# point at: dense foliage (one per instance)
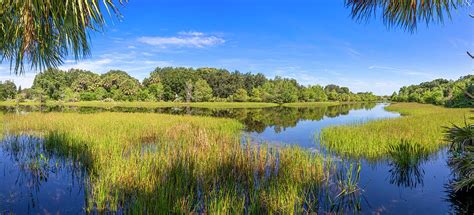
(440, 92)
(181, 84)
(7, 90)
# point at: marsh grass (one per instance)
(151, 163)
(341, 193)
(421, 128)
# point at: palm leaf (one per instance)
(42, 33)
(404, 13)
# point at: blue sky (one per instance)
(315, 42)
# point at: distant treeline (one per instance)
(459, 93)
(180, 84)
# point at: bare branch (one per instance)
(470, 55)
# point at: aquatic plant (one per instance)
(341, 193)
(421, 125)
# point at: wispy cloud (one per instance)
(352, 52)
(183, 39)
(401, 71)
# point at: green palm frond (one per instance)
(405, 13)
(42, 33)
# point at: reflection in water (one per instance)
(405, 162)
(36, 180)
(254, 119)
(462, 202)
(341, 193)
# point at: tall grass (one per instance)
(152, 163)
(421, 127)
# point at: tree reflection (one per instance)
(254, 119)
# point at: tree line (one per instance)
(458, 93)
(182, 85)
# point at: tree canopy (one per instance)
(439, 92)
(181, 84)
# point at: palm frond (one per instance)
(404, 13)
(42, 33)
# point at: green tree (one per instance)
(68, 95)
(240, 95)
(87, 96)
(51, 82)
(101, 93)
(156, 90)
(145, 95)
(202, 91)
(256, 95)
(82, 80)
(120, 85)
(7, 90)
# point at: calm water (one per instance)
(36, 180)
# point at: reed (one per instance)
(153, 163)
(420, 128)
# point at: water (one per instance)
(35, 180)
(387, 186)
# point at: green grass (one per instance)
(176, 164)
(421, 125)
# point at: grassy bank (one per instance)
(420, 129)
(178, 164)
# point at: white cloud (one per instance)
(191, 33)
(184, 39)
(25, 80)
(98, 65)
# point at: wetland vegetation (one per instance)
(148, 162)
(212, 141)
(190, 159)
(421, 128)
